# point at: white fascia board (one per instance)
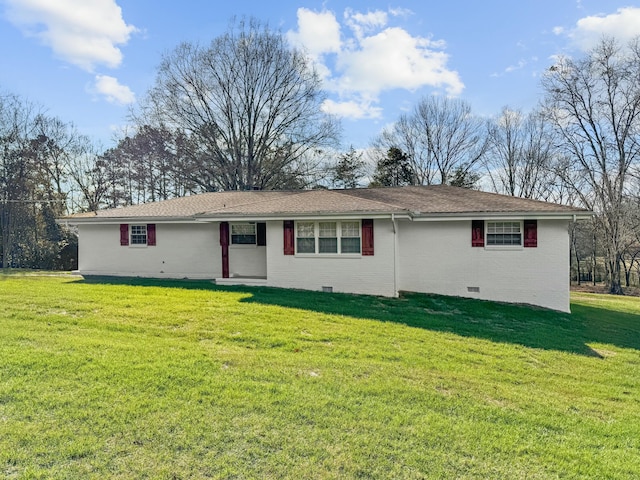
(119, 220)
(417, 217)
(306, 216)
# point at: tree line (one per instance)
(245, 112)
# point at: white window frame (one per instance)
(136, 231)
(339, 237)
(520, 232)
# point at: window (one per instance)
(138, 234)
(305, 237)
(504, 233)
(243, 233)
(328, 237)
(350, 237)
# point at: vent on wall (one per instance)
(473, 289)
(327, 289)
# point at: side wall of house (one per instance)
(181, 251)
(372, 275)
(437, 257)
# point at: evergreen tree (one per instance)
(393, 170)
(349, 169)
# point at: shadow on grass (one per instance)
(516, 324)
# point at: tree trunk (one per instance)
(627, 272)
(615, 285)
(594, 260)
(575, 252)
(5, 226)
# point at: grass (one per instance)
(153, 379)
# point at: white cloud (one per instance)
(352, 109)
(80, 32)
(624, 25)
(518, 66)
(361, 23)
(318, 33)
(400, 12)
(369, 57)
(395, 59)
(113, 91)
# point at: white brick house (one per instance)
(434, 239)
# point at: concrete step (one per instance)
(250, 281)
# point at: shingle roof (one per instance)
(443, 199)
(187, 206)
(434, 200)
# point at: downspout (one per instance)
(395, 256)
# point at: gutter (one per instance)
(298, 216)
(254, 217)
(443, 217)
(118, 220)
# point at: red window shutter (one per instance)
(224, 233)
(224, 243)
(367, 236)
(289, 237)
(151, 235)
(124, 234)
(531, 233)
(477, 233)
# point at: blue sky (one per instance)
(89, 61)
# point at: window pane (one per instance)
(350, 245)
(243, 239)
(306, 245)
(327, 229)
(503, 227)
(504, 233)
(243, 233)
(350, 229)
(138, 234)
(503, 239)
(328, 245)
(328, 237)
(305, 229)
(243, 229)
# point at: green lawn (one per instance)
(184, 380)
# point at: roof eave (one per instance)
(415, 216)
(526, 215)
(253, 217)
(114, 220)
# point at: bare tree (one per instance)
(405, 136)
(594, 105)
(442, 139)
(521, 149)
(34, 150)
(16, 129)
(249, 103)
(631, 242)
(90, 172)
(454, 136)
